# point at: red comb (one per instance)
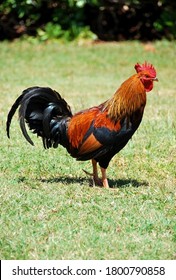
(145, 66)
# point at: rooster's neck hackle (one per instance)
(130, 97)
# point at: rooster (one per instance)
(97, 133)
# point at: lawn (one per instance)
(48, 210)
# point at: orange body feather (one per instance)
(81, 122)
(79, 125)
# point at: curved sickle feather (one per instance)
(24, 131)
(11, 113)
(22, 122)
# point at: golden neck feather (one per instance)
(130, 97)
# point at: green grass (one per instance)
(48, 210)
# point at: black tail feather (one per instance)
(11, 113)
(47, 116)
(44, 110)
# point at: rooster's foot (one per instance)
(97, 182)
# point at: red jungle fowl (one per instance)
(97, 133)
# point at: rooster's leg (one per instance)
(104, 178)
(96, 180)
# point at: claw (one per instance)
(95, 181)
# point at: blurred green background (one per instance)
(104, 19)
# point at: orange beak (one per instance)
(155, 79)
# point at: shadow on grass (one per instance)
(119, 183)
(125, 183)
